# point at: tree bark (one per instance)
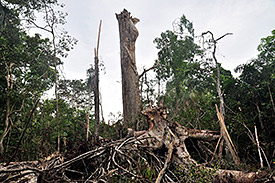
(130, 86)
(8, 125)
(96, 98)
(260, 116)
(271, 98)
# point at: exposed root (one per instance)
(147, 156)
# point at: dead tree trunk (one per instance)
(221, 112)
(96, 88)
(130, 86)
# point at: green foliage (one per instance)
(11, 9)
(108, 131)
(267, 48)
(27, 72)
(147, 171)
(195, 173)
(190, 91)
(256, 96)
(40, 139)
(176, 52)
(75, 92)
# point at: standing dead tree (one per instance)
(96, 88)
(130, 78)
(221, 112)
(217, 81)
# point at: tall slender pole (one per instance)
(96, 89)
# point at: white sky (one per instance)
(248, 20)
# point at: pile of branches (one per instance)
(157, 155)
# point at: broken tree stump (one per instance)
(130, 79)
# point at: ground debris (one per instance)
(154, 155)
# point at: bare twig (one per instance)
(258, 146)
(90, 154)
(216, 148)
(251, 136)
(17, 176)
(26, 168)
(113, 158)
(146, 70)
(161, 173)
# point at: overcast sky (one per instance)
(248, 20)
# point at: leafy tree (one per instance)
(177, 53)
(61, 42)
(255, 94)
(74, 92)
(38, 142)
(267, 54)
(78, 94)
(11, 9)
(26, 73)
(188, 82)
(195, 81)
(28, 63)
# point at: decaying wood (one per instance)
(227, 138)
(128, 158)
(130, 78)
